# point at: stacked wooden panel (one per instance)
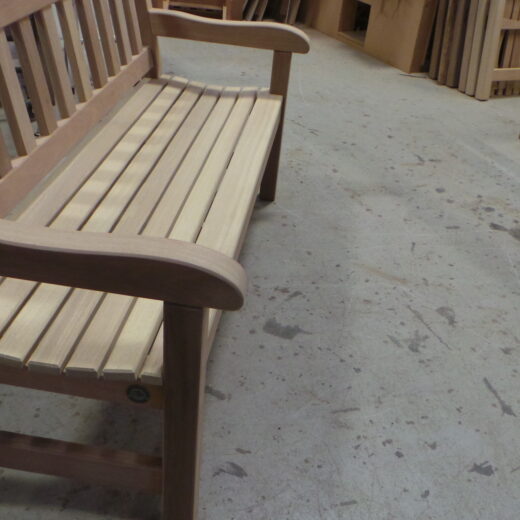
(476, 47)
(281, 10)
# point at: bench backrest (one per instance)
(74, 60)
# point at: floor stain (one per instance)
(417, 342)
(382, 274)
(506, 409)
(420, 317)
(348, 503)
(485, 469)
(395, 341)
(346, 410)
(230, 468)
(221, 396)
(282, 331)
(449, 314)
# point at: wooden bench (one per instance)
(117, 270)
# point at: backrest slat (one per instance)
(13, 101)
(106, 32)
(121, 29)
(134, 30)
(5, 160)
(55, 60)
(98, 68)
(34, 75)
(74, 49)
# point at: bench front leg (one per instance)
(184, 376)
(279, 86)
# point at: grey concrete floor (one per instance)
(373, 374)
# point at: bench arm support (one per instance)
(161, 269)
(259, 35)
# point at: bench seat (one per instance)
(177, 159)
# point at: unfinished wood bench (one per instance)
(116, 272)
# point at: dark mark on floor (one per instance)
(507, 350)
(449, 314)
(348, 503)
(395, 341)
(232, 469)
(387, 442)
(243, 452)
(221, 396)
(419, 316)
(399, 454)
(295, 294)
(413, 247)
(426, 494)
(417, 342)
(485, 469)
(514, 232)
(282, 331)
(432, 445)
(346, 410)
(497, 227)
(514, 470)
(506, 409)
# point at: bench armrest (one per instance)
(260, 35)
(161, 269)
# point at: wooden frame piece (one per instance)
(96, 465)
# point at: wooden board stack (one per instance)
(476, 47)
(281, 10)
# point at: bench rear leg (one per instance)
(185, 333)
(279, 86)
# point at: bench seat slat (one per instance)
(140, 329)
(28, 326)
(130, 352)
(47, 356)
(225, 224)
(90, 355)
(132, 221)
(186, 169)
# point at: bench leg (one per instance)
(279, 86)
(185, 332)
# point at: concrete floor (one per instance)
(373, 374)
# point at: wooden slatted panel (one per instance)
(31, 320)
(512, 88)
(134, 31)
(476, 49)
(74, 49)
(121, 30)
(89, 356)
(468, 44)
(54, 348)
(506, 43)
(87, 20)
(128, 355)
(106, 32)
(226, 121)
(225, 225)
(5, 159)
(13, 102)
(34, 75)
(55, 61)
